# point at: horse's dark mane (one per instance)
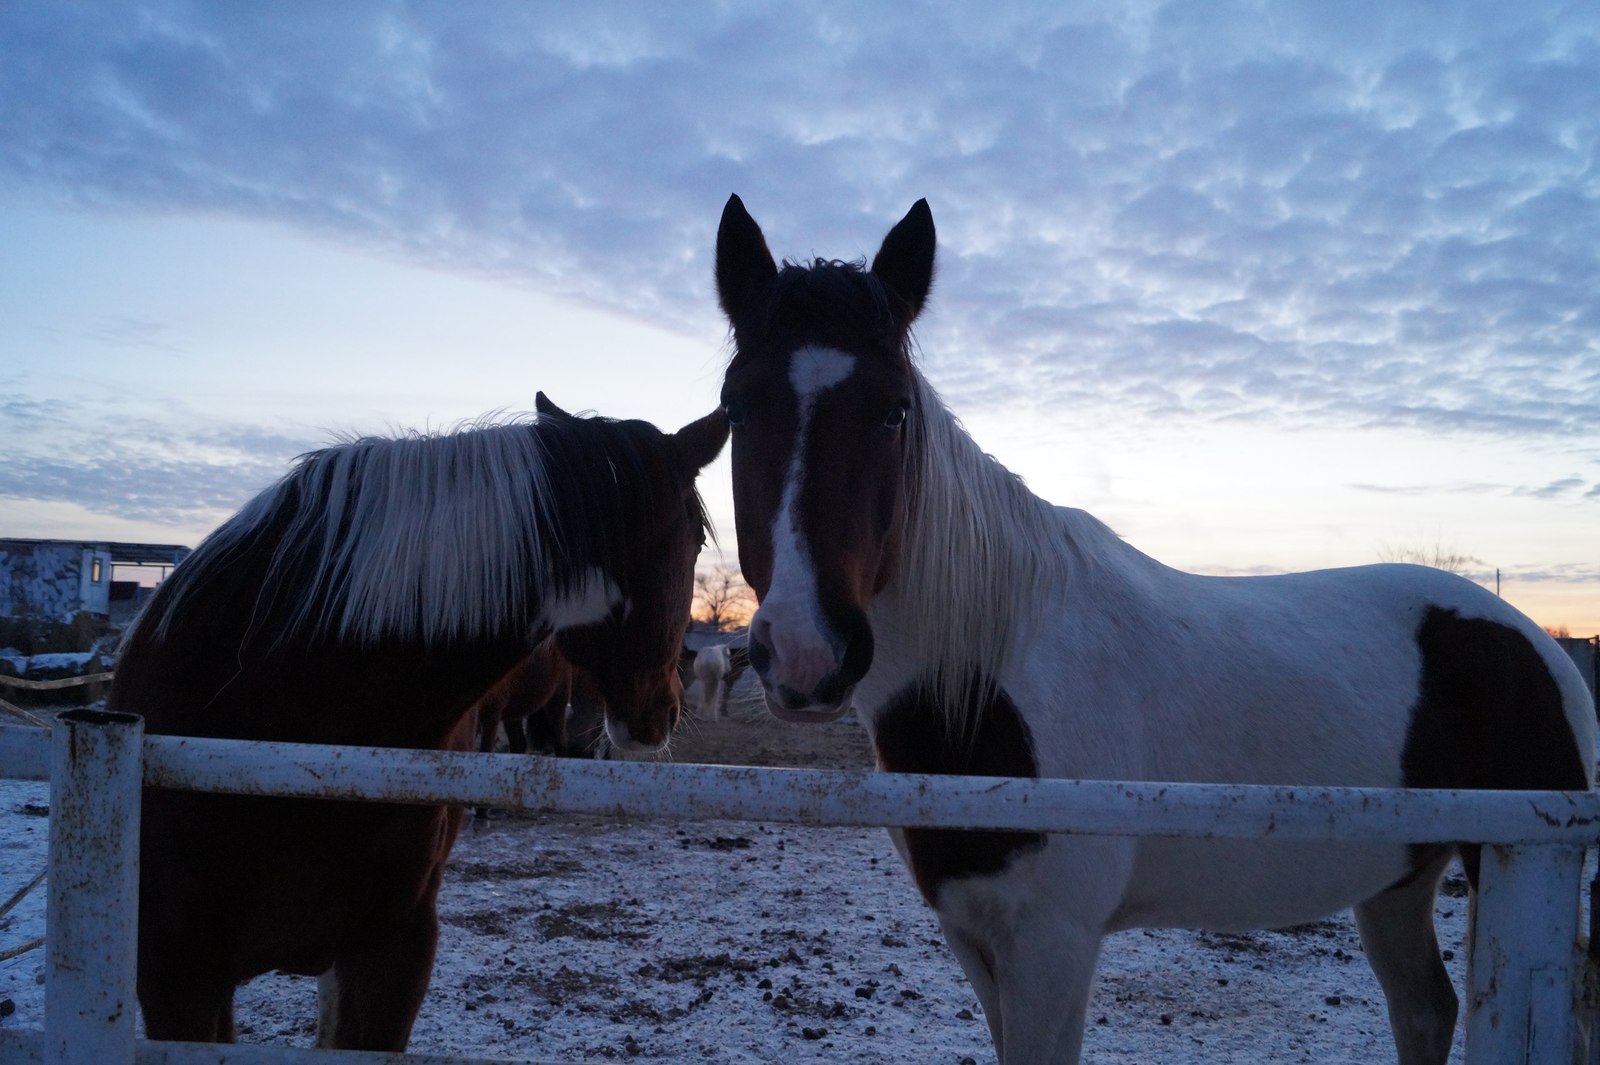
(433, 537)
(826, 301)
(597, 466)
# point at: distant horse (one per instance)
(686, 657)
(544, 705)
(371, 597)
(979, 630)
(716, 669)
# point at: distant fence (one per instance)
(1585, 652)
(60, 684)
(1522, 972)
(52, 685)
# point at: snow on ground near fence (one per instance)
(591, 940)
(23, 664)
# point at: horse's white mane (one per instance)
(425, 536)
(979, 553)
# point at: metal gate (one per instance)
(1523, 970)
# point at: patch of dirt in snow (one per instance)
(586, 939)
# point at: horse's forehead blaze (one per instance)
(814, 369)
(803, 524)
(850, 505)
(809, 470)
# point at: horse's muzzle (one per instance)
(649, 722)
(786, 705)
(825, 698)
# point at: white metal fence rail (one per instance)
(1523, 969)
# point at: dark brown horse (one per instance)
(371, 597)
(545, 705)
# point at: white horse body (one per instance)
(710, 669)
(1162, 675)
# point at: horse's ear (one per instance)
(905, 262)
(542, 404)
(697, 443)
(743, 262)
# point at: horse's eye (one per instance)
(734, 412)
(897, 417)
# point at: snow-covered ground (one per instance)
(588, 940)
(69, 660)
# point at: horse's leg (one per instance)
(545, 726)
(377, 987)
(380, 987)
(978, 964)
(186, 1007)
(381, 979)
(714, 697)
(1397, 933)
(183, 980)
(724, 692)
(488, 730)
(1032, 974)
(1044, 975)
(328, 1007)
(517, 741)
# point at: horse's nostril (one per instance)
(790, 699)
(760, 655)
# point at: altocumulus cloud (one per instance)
(1362, 214)
(150, 470)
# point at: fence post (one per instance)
(92, 908)
(1520, 975)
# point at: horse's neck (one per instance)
(982, 559)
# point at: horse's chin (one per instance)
(814, 714)
(621, 738)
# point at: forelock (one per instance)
(827, 302)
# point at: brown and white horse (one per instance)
(372, 597)
(977, 629)
(544, 705)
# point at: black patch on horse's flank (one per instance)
(1488, 715)
(914, 735)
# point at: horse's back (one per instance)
(1489, 698)
(1379, 676)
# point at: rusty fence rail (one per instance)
(1522, 973)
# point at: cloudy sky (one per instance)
(1265, 286)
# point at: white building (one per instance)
(59, 578)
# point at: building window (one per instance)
(94, 572)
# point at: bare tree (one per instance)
(722, 600)
(1438, 556)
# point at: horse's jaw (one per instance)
(808, 713)
(621, 737)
